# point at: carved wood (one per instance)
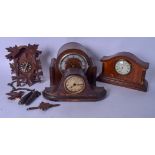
(28, 58)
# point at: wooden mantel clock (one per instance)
(73, 76)
(26, 65)
(124, 69)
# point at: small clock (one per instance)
(25, 66)
(73, 76)
(124, 69)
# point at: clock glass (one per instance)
(123, 67)
(74, 84)
(73, 61)
(25, 67)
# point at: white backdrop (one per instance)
(120, 102)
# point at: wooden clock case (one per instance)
(134, 80)
(25, 54)
(66, 49)
(56, 91)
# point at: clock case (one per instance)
(57, 92)
(134, 80)
(21, 54)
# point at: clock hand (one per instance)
(25, 67)
(74, 85)
(79, 84)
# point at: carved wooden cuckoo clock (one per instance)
(26, 65)
(124, 69)
(73, 76)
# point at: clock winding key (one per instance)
(44, 106)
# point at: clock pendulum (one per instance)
(43, 106)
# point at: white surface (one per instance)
(120, 102)
(110, 18)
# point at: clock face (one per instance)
(74, 84)
(73, 61)
(123, 67)
(25, 67)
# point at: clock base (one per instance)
(97, 94)
(141, 87)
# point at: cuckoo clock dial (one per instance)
(25, 64)
(73, 76)
(25, 67)
(124, 69)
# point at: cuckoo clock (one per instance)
(124, 69)
(25, 66)
(73, 76)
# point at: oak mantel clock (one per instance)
(73, 76)
(124, 69)
(26, 65)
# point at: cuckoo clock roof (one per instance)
(15, 51)
(129, 55)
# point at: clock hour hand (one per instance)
(26, 65)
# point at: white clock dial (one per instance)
(74, 84)
(123, 67)
(82, 60)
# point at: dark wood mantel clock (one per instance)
(124, 69)
(26, 65)
(73, 76)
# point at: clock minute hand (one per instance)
(80, 84)
(76, 85)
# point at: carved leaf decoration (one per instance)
(12, 66)
(13, 52)
(40, 73)
(31, 53)
(33, 47)
(15, 95)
